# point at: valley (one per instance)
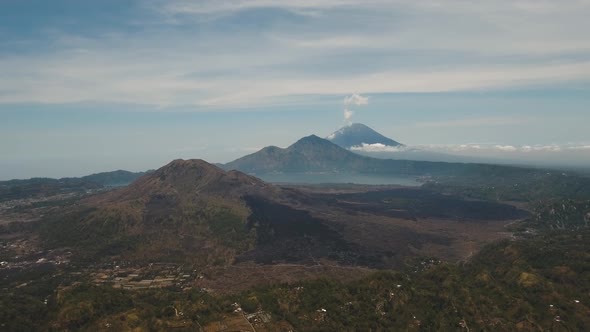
(193, 228)
(197, 246)
(374, 227)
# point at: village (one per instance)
(21, 252)
(27, 202)
(153, 275)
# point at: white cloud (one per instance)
(504, 26)
(537, 154)
(202, 7)
(378, 147)
(501, 148)
(579, 148)
(356, 99)
(115, 77)
(553, 147)
(507, 148)
(473, 148)
(534, 148)
(494, 45)
(521, 6)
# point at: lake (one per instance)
(317, 178)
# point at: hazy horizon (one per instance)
(88, 87)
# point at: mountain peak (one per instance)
(358, 134)
(309, 139)
(312, 143)
(187, 178)
(189, 164)
(181, 169)
(359, 126)
(308, 154)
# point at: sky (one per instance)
(89, 86)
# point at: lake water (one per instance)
(311, 178)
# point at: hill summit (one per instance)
(358, 134)
(188, 179)
(187, 210)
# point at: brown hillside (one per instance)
(186, 210)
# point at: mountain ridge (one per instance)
(186, 177)
(38, 187)
(194, 212)
(312, 154)
(308, 154)
(187, 209)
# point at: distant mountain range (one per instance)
(313, 154)
(19, 189)
(113, 178)
(316, 160)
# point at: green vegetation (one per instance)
(507, 286)
(103, 232)
(516, 186)
(560, 215)
(539, 283)
(85, 303)
(21, 312)
(230, 229)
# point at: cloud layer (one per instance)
(243, 53)
(475, 148)
(567, 155)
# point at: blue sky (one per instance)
(89, 86)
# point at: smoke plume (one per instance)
(354, 99)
